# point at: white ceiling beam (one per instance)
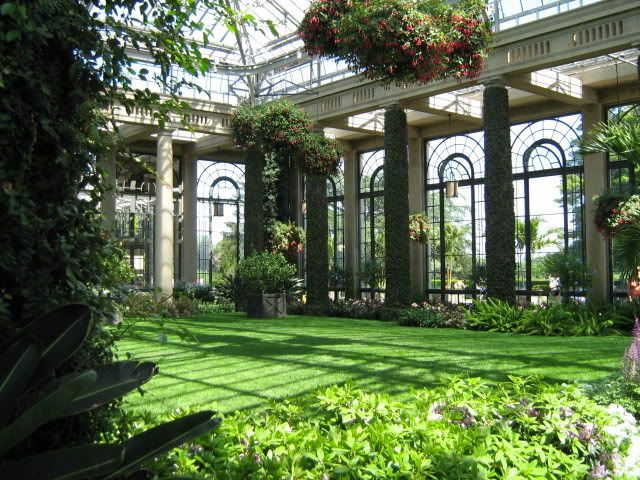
(132, 133)
(344, 124)
(211, 143)
(555, 86)
(448, 105)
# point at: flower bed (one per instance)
(464, 429)
(400, 41)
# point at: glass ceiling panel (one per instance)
(282, 66)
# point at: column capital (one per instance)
(165, 132)
(497, 81)
(389, 106)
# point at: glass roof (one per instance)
(279, 63)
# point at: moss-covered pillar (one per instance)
(396, 206)
(253, 202)
(351, 166)
(498, 194)
(417, 203)
(317, 241)
(163, 253)
(595, 183)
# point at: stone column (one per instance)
(351, 212)
(396, 207)
(417, 203)
(498, 194)
(595, 183)
(189, 256)
(108, 204)
(163, 268)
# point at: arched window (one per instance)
(335, 200)
(549, 198)
(220, 219)
(372, 242)
(454, 198)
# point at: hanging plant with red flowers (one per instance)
(400, 41)
(286, 130)
(288, 238)
(419, 227)
(614, 212)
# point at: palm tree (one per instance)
(538, 240)
(620, 139)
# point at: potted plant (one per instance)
(265, 277)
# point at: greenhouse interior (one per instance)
(327, 239)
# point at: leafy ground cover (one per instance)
(242, 363)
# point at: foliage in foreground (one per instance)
(32, 395)
(466, 429)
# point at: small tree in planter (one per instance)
(266, 277)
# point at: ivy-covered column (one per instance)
(253, 202)
(498, 194)
(317, 241)
(396, 206)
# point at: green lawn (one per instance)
(240, 363)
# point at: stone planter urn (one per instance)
(267, 305)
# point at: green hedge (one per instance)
(317, 241)
(498, 196)
(396, 207)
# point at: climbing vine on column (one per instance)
(498, 195)
(287, 137)
(396, 206)
(317, 241)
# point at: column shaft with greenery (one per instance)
(498, 195)
(253, 202)
(396, 206)
(317, 241)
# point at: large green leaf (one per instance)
(50, 407)
(114, 380)
(61, 332)
(67, 464)
(164, 437)
(17, 365)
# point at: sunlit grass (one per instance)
(241, 363)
